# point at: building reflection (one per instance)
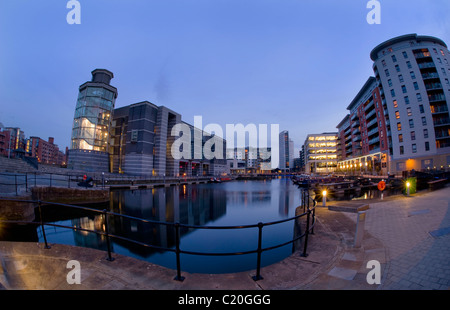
(186, 204)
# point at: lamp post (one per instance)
(408, 185)
(324, 198)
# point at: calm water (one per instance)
(225, 204)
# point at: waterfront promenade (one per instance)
(409, 236)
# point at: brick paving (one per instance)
(415, 258)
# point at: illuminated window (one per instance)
(397, 114)
(395, 104)
(399, 126)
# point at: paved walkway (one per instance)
(409, 236)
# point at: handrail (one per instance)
(308, 212)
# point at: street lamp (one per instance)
(324, 198)
(408, 185)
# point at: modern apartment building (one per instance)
(89, 150)
(363, 136)
(413, 75)
(400, 119)
(320, 152)
(46, 152)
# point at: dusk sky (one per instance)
(296, 63)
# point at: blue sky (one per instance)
(296, 63)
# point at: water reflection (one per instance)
(226, 204)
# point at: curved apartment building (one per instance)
(402, 114)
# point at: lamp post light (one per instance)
(408, 185)
(324, 198)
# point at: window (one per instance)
(408, 63)
(427, 146)
(447, 82)
(392, 93)
(404, 89)
(406, 100)
(397, 114)
(424, 121)
(425, 133)
(443, 71)
(405, 55)
(414, 148)
(413, 135)
(400, 78)
(442, 53)
(419, 97)
(387, 72)
(399, 126)
(390, 82)
(395, 104)
(408, 110)
(421, 109)
(394, 59)
(400, 138)
(439, 60)
(397, 67)
(402, 150)
(416, 86)
(384, 63)
(413, 75)
(411, 123)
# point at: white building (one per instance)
(413, 75)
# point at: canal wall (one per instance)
(70, 195)
(17, 210)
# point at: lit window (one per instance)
(395, 104)
(399, 126)
(397, 114)
(400, 138)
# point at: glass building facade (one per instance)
(93, 113)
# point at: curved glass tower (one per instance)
(92, 122)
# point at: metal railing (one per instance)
(308, 204)
(17, 182)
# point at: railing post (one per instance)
(108, 244)
(258, 259)
(177, 247)
(305, 245)
(42, 225)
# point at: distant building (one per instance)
(46, 152)
(321, 153)
(286, 149)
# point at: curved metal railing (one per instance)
(308, 203)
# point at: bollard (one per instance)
(324, 198)
(408, 185)
(360, 223)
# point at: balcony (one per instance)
(374, 140)
(436, 98)
(370, 114)
(429, 76)
(433, 86)
(371, 123)
(426, 65)
(372, 132)
(439, 109)
(441, 122)
(421, 54)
